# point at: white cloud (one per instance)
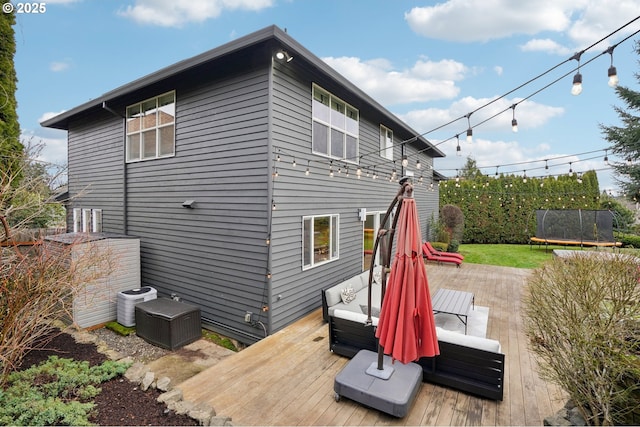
(58, 66)
(48, 115)
(176, 13)
(487, 20)
(545, 45)
(529, 114)
(582, 21)
(54, 142)
(498, 70)
(425, 81)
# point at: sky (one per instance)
(430, 63)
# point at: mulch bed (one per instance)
(120, 402)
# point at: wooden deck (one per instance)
(287, 378)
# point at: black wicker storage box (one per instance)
(167, 323)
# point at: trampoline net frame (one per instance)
(575, 225)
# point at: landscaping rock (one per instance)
(136, 372)
(147, 380)
(174, 395)
(202, 413)
(220, 421)
(163, 384)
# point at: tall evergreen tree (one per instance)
(625, 139)
(10, 147)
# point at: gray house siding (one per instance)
(96, 168)
(237, 109)
(295, 291)
(213, 255)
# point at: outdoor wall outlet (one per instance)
(247, 316)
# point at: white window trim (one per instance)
(331, 243)
(87, 220)
(157, 127)
(330, 126)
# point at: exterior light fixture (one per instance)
(281, 55)
(469, 130)
(576, 89)
(514, 122)
(458, 150)
(612, 72)
(405, 161)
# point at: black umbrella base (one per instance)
(393, 396)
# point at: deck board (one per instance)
(287, 378)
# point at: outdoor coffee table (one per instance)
(453, 302)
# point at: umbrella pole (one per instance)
(386, 248)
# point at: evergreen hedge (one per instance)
(502, 209)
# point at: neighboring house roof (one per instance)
(437, 176)
(271, 33)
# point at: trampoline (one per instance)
(574, 227)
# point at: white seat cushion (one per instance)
(468, 340)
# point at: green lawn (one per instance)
(521, 256)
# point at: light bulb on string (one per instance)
(405, 161)
(514, 122)
(307, 172)
(612, 73)
(458, 149)
(576, 89)
(418, 164)
(469, 130)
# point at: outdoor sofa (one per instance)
(471, 364)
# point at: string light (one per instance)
(331, 169)
(307, 172)
(606, 158)
(458, 149)
(576, 89)
(612, 73)
(294, 164)
(418, 164)
(405, 161)
(514, 122)
(469, 130)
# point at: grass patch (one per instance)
(217, 339)
(119, 329)
(520, 256)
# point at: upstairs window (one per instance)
(151, 128)
(386, 142)
(335, 127)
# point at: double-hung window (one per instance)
(319, 239)
(335, 127)
(386, 142)
(151, 128)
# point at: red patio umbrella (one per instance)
(406, 326)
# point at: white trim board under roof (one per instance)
(265, 35)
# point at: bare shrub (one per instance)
(582, 316)
(37, 283)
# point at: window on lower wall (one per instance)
(151, 128)
(87, 220)
(320, 238)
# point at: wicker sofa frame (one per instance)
(459, 366)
